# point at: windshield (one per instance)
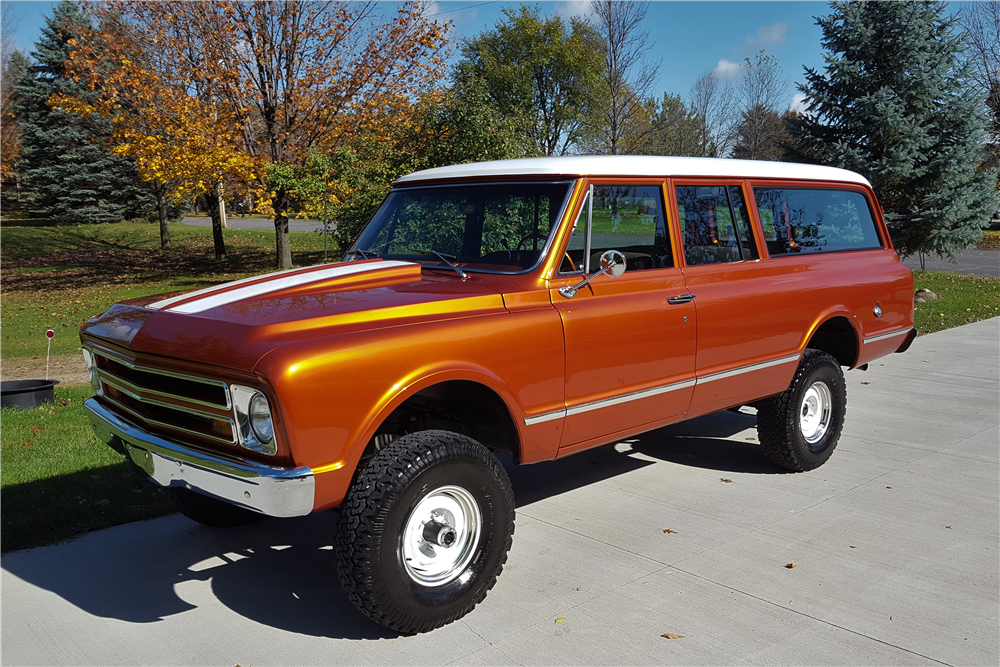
(501, 227)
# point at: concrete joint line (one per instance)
(594, 539)
(818, 620)
(788, 516)
(487, 642)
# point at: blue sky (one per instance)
(691, 38)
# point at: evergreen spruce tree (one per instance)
(892, 106)
(68, 178)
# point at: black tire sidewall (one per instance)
(432, 602)
(817, 453)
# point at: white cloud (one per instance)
(768, 35)
(430, 8)
(570, 8)
(799, 103)
(727, 69)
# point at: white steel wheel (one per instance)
(799, 428)
(814, 412)
(425, 530)
(441, 535)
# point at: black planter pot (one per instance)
(25, 394)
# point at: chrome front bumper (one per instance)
(280, 492)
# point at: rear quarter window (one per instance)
(810, 220)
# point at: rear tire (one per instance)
(425, 530)
(799, 428)
(209, 511)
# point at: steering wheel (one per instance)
(528, 238)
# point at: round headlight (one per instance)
(260, 418)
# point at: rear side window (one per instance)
(804, 220)
(715, 224)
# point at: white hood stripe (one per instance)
(165, 303)
(214, 298)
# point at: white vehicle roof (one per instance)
(636, 165)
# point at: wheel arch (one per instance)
(467, 401)
(837, 334)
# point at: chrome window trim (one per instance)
(655, 391)
(891, 334)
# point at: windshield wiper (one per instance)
(365, 254)
(443, 257)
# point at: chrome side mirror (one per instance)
(612, 264)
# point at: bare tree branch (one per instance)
(616, 125)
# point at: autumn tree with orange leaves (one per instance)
(287, 78)
(178, 139)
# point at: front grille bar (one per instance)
(166, 400)
(177, 376)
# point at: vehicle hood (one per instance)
(234, 324)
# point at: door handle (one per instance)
(684, 298)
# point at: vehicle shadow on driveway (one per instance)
(282, 573)
(706, 442)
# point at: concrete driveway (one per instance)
(895, 539)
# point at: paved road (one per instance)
(896, 541)
(982, 262)
(236, 222)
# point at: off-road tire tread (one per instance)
(776, 418)
(375, 486)
(211, 511)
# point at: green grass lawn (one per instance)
(58, 481)
(963, 299)
(59, 277)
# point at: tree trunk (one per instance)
(283, 248)
(222, 209)
(161, 208)
(213, 209)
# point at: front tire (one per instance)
(425, 530)
(799, 428)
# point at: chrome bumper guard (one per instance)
(280, 492)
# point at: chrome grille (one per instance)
(165, 401)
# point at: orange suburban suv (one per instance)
(536, 307)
